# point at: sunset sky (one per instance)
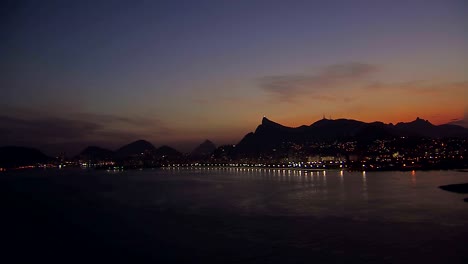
(75, 73)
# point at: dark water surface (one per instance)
(232, 216)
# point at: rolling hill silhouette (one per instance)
(13, 156)
(271, 134)
(135, 148)
(204, 149)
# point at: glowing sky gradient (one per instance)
(178, 72)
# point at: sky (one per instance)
(78, 73)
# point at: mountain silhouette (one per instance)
(421, 127)
(135, 148)
(167, 152)
(96, 153)
(269, 137)
(205, 149)
(269, 134)
(335, 129)
(13, 156)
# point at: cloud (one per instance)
(288, 88)
(61, 132)
(130, 122)
(420, 87)
(461, 121)
(45, 128)
(223, 100)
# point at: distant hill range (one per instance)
(136, 148)
(203, 150)
(96, 153)
(270, 134)
(166, 152)
(144, 148)
(13, 156)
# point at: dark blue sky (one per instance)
(178, 72)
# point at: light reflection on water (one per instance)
(388, 196)
(364, 186)
(410, 196)
(368, 217)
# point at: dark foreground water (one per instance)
(231, 216)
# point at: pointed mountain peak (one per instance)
(265, 120)
(268, 125)
(420, 120)
(268, 122)
(207, 142)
